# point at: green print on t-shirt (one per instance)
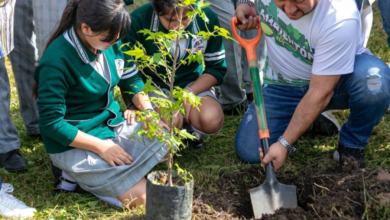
(285, 35)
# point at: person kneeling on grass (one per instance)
(81, 124)
(313, 67)
(161, 16)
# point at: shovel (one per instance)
(271, 195)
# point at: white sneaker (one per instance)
(6, 187)
(11, 206)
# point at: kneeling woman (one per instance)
(81, 124)
(161, 15)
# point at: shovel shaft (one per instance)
(258, 99)
(250, 47)
(270, 177)
(271, 195)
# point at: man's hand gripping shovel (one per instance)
(271, 195)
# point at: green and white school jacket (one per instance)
(75, 91)
(144, 17)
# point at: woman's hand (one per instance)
(114, 154)
(150, 119)
(129, 114)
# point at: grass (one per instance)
(35, 186)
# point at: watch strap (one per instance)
(245, 2)
(290, 148)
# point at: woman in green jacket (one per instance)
(161, 16)
(81, 124)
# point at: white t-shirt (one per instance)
(323, 42)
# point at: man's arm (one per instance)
(316, 99)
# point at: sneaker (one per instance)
(12, 207)
(6, 187)
(62, 183)
(342, 153)
(13, 162)
(198, 142)
(238, 109)
(326, 124)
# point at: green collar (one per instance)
(85, 55)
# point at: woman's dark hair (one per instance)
(164, 7)
(99, 15)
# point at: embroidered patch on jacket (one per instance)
(119, 64)
(199, 44)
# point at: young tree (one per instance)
(173, 103)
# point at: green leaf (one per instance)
(136, 52)
(202, 4)
(189, 2)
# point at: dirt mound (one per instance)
(347, 193)
(202, 211)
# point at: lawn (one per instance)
(219, 173)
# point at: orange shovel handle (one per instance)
(248, 44)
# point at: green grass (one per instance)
(35, 186)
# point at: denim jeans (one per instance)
(384, 8)
(365, 92)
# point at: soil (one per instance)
(339, 193)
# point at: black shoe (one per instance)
(59, 179)
(13, 162)
(342, 154)
(326, 124)
(249, 97)
(237, 110)
(198, 142)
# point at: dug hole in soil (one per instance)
(332, 194)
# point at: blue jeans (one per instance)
(365, 92)
(384, 8)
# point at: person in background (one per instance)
(384, 8)
(10, 207)
(22, 59)
(365, 7)
(234, 99)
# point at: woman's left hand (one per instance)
(160, 123)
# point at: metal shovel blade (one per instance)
(271, 196)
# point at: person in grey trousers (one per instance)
(47, 15)
(232, 96)
(29, 40)
(22, 59)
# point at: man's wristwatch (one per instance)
(245, 2)
(290, 149)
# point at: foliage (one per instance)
(35, 186)
(170, 104)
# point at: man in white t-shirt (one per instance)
(316, 62)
